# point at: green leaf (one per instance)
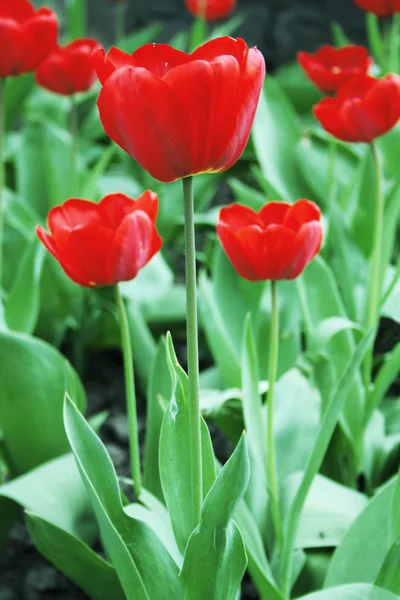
(357, 591)
(144, 566)
(158, 394)
(298, 88)
(30, 168)
(23, 302)
(389, 575)
(76, 18)
(387, 374)
(174, 453)
(33, 379)
(327, 329)
(53, 491)
(247, 195)
(258, 564)
(215, 557)
(276, 133)
(86, 569)
(326, 430)
(360, 556)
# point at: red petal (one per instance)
(40, 38)
(105, 65)
(277, 252)
(383, 102)
(301, 212)
(148, 203)
(73, 213)
(48, 242)
(135, 243)
(158, 59)
(306, 246)
(327, 112)
(158, 132)
(274, 213)
(237, 216)
(87, 253)
(236, 253)
(11, 48)
(18, 10)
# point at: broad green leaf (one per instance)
(58, 157)
(33, 379)
(320, 300)
(86, 569)
(276, 133)
(357, 559)
(144, 566)
(18, 89)
(298, 88)
(327, 329)
(55, 492)
(30, 168)
(215, 557)
(174, 453)
(389, 575)
(159, 392)
(326, 430)
(363, 201)
(356, 591)
(244, 194)
(143, 344)
(258, 564)
(22, 307)
(328, 512)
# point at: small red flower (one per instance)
(69, 69)
(212, 10)
(278, 242)
(102, 244)
(330, 67)
(364, 109)
(181, 114)
(381, 8)
(27, 36)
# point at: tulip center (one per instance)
(336, 70)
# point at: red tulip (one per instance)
(330, 67)
(382, 8)
(211, 10)
(181, 114)
(364, 109)
(26, 36)
(278, 242)
(69, 69)
(102, 244)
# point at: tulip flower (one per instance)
(181, 114)
(102, 244)
(27, 36)
(364, 109)
(211, 10)
(330, 67)
(381, 8)
(69, 69)
(278, 242)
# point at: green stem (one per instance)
(273, 487)
(394, 44)
(2, 171)
(74, 130)
(130, 395)
(374, 295)
(120, 14)
(193, 351)
(375, 38)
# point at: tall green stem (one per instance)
(130, 395)
(193, 351)
(394, 44)
(375, 38)
(2, 170)
(74, 130)
(272, 374)
(374, 294)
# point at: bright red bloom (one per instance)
(364, 109)
(181, 114)
(330, 67)
(381, 8)
(26, 36)
(69, 69)
(102, 244)
(278, 242)
(212, 10)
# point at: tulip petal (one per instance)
(19, 11)
(135, 243)
(49, 244)
(277, 252)
(11, 48)
(237, 216)
(236, 253)
(133, 98)
(306, 246)
(73, 213)
(87, 253)
(301, 212)
(40, 38)
(105, 65)
(148, 203)
(159, 59)
(327, 112)
(274, 213)
(112, 210)
(383, 102)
